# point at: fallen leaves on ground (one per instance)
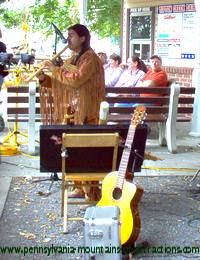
(46, 240)
(41, 193)
(27, 235)
(51, 216)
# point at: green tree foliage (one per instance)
(103, 16)
(50, 11)
(41, 15)
(11, 18)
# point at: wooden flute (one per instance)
(42, 67)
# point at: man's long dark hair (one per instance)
(81, 30)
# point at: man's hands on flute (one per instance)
(47, 64)
(41, 76)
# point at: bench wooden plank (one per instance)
(22, 119)
(184, 90)
(137, 99)
(152, 90)
(123, 118)
(20, 110)
(20, 99)
(130, 110)
(185, 110)
(138, 90)
(20, 89)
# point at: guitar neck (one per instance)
(125, 156)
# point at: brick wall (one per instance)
(181, 75)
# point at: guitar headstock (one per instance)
(139, 115)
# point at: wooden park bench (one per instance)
(174, 104)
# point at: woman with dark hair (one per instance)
(130, 77)
(79, 82)
(136, 70)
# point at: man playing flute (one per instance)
(79, 82)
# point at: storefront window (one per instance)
(140, 33)
(145, 55)
(140, 27)
(141, 50)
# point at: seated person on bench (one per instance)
(136, 70)
(113, 71)
(155, 77)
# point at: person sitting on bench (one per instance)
(155, 77)
(136, 70)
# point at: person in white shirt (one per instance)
(113, 71)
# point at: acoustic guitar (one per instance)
(117, 191)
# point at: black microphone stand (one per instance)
(55, 43)
(58, 61)
(58, 32)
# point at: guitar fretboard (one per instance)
(125, 157)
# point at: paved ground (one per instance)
(169, 209)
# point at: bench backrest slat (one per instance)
(137, 99)
(186, 100)
(138, 90)
(130, 110)
(20, 99)
(21, 110)
(20, 89)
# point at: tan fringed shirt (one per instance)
(84, 89)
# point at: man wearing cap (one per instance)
(79, 82)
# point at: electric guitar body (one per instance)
(117, 191)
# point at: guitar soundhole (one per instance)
(117, 193)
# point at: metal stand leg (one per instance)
(52, 178)
(196, 174)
